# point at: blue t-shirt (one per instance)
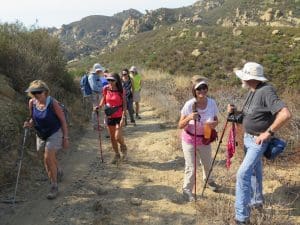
(104, 81)
(95, 83)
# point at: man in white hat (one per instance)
(96, 86)
(263, 114)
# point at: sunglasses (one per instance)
(110, 80)
(202, 87)
(124, 74)
(36, 92)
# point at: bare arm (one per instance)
(61, 116)
(281, 118)
(184, 120)
(30, 122)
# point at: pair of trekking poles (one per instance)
(195, 155)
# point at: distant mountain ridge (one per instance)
(94, 34)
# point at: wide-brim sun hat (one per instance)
(97, 67)
(251, 71)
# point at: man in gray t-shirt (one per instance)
(264, 114)
(260, 108)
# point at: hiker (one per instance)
(95, 81)
(263, 114)
(207, 111)
(49, 121)
(127, 85)
(137, 87)
(114, 103)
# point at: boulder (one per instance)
(267, 15)
(275, 32)
(236, 32)
(196, 52)
(203, 35)
(296, 39)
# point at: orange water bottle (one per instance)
(207, 129)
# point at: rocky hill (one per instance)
(92, 34)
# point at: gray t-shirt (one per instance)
(260, 108)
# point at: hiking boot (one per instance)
(115, 159)
(53, 192)
(133, 122)
(123, 149)
(188, 196)
(247, 222)
(137, 116)
(212, 186)
(60, 175)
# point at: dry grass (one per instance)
(281, 183)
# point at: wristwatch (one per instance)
(270, 132)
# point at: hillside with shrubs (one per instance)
(212, 52)
(26, 54)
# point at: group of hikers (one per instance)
(263, 114)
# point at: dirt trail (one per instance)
(144, 190)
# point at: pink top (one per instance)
(206, 114)
(114, 98)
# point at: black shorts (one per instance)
(113, 121)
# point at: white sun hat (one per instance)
(251, 71)
(97, 67)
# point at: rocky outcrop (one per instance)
(93, 34)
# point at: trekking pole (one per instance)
(26, 130)
(195, 150)
(99, 132)
(212, 164)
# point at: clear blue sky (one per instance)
(51, 13)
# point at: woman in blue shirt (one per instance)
(49, 121)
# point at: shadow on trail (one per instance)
(143, 129)
(177, 163)
(287, 195)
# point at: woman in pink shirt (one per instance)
(114, 103)
(205, 112)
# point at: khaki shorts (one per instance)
(53, 143)
(137, 96)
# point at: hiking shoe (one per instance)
(212, 186)
(247, 222)
(138, 117)
(60, 175)
(188, 196)
(53, 192)
(115, 159)
(123, 149)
